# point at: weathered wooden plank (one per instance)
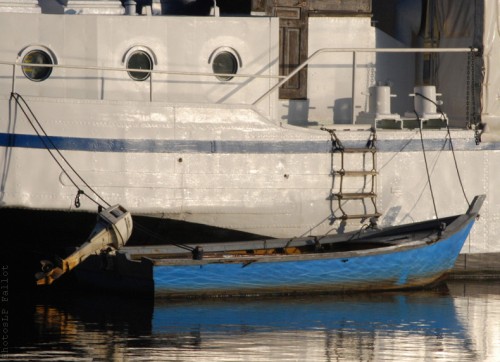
(344, 6)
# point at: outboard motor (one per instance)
(113, 229)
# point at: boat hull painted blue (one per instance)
(411, 267)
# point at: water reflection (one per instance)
(461, 322)
(360, 327)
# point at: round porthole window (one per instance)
(139, 60)
(37, 74)
(225, 63)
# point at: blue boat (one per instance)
(393, 258)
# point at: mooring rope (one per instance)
(456, 166)
(426, 165)
(161, 238)
(45, 140)
(49, 145)
(451, 144)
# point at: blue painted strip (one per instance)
(396, 269)
(162, 146)
(236, 147)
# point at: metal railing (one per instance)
(282, 79)
(150, 71)
(354, 52)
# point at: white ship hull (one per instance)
(230, 154)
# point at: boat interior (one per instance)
(365, 239)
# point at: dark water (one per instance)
(458, 322)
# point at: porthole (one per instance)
(225, 63)
(139, 60)
(34, 73)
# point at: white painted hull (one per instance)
(201, 151)
(267, 192)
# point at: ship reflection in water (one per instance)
(458, 322)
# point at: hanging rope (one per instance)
(158, 237)
(474, 111)
(451, 145)
(472, 71)
(456, 166)
(468, 90)
(426, 164)
(470, 103)
(49, 145)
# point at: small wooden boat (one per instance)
(399, 257)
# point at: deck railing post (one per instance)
(13, 78)
(353, 88)
(151, 86)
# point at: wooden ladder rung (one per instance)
(356, 173)
(353, 195)
(358, 150)
(360, 216)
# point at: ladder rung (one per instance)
(358, 150)
(354, 195)
(360, 216)
(356, 173)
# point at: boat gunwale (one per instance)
(279, 258)
(456, 223)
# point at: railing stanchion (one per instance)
(150, 86)
(13, 77)
(353, 88)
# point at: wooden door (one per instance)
(293, 16)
